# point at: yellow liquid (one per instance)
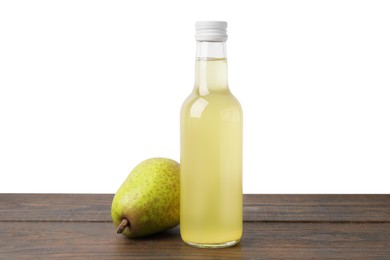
(211, 161)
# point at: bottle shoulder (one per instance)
(221, 99)
(213, 103)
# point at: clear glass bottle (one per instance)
(211, 148)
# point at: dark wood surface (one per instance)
(75, 226)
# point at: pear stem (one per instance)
(122, 226)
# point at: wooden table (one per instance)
(74, 226)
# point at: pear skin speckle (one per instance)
(149, 198)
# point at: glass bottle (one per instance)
(211, 148)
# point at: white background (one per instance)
(88, 89)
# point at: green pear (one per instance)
(148, 201)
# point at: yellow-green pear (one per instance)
(148, 201)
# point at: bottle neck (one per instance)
(210, 68)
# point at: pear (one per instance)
(148, 201)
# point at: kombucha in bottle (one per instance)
(211, 148)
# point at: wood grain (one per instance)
(96, 207)
(55, 207)
(329, 208)
(78, 226)
(283, 240)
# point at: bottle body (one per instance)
(211, 160)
